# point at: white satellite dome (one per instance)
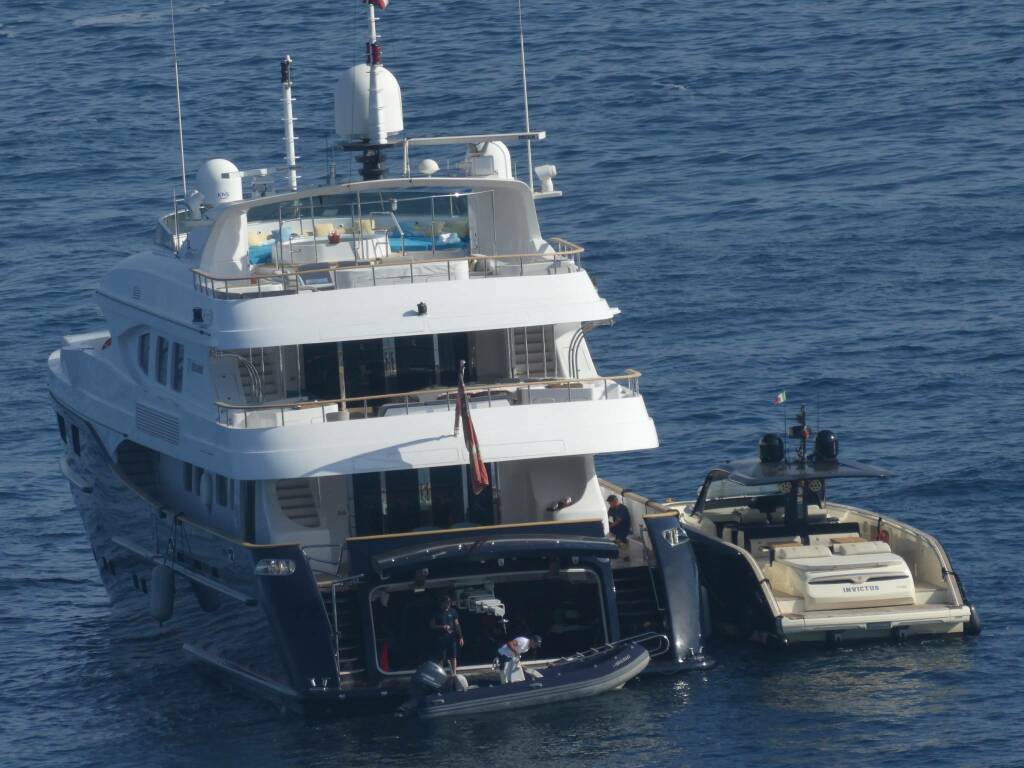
(215, 189)
(352, 117)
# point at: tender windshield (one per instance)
(729, 489)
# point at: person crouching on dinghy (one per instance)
(512, 651)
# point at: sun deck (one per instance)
(329, 269)
(385, 232)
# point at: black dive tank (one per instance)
(771, 449)
(826, 446)
(430, 676)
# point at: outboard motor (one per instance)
(430, 676)
(771, 449)
(826, 446)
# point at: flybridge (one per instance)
(387, 231)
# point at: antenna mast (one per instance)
(289, 121)
(526, 96)
(177, 95)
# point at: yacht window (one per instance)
(177, 366)
(186, 477)
(197, 480)
(232, 495)
(63, 428)
(222, 491)
(161, 359)
(144, 352)
(76, 440)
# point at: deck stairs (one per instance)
(637, 602)
(533, 352)
(259, 373)
(297, 501)
(349, 651)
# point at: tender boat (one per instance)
(584, 674)
(783, 563)
(314, 411)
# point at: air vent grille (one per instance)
(156, 424)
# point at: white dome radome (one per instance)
(215, 189)
(352, 118)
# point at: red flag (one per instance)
(477, 468)
(382, 4)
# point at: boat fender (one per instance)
(207, 598)
(973, 625)
(161, 593)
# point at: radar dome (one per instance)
(215, 189)
(353, 120)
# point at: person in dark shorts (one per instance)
(619, 524)
(447, 633)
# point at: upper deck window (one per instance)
(161, 359)
(222, 491)
(177, 366)
(144, 352)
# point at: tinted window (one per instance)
(63, 428)
(144, 352)
(177, 366)
(222, 491)
(161, 359)
(76, 440)
(186, 476)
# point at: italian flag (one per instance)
(780, 398)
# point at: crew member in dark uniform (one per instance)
(447, 632)
(619, 524)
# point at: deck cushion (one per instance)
(862, 548)
(802, 553)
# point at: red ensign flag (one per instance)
(477, 468)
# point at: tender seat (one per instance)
(857, 575)
(861, 548)
(802, 553)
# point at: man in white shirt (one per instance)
(511, 652)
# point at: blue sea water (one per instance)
(824, 198)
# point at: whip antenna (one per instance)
(177, 96)
(526, 96)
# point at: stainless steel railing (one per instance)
(288, 279)
(535, 392)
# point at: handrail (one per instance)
(446, 395)
(288, 274)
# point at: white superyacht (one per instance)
(263, 440)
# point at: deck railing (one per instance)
(496, 395)
(286, 279)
